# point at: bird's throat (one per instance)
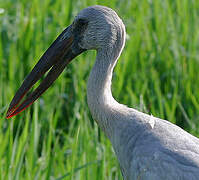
(99, 95)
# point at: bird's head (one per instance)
(95, 27)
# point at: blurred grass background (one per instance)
(157, 73)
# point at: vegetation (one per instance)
(56, 138)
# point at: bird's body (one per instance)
(147, 148)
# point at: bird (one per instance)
(147, 147)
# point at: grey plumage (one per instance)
(147, 148)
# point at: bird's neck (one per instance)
(99, 95)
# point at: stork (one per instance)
(147, 148)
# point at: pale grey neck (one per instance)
(99, 95)
(99, 83)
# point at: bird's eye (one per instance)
(80, 25)
(82, 22)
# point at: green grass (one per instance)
(56, 138)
